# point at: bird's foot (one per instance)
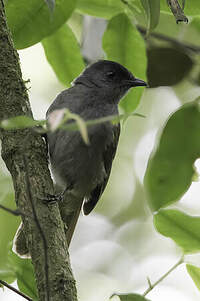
(53, 198)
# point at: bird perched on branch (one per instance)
(83, 168)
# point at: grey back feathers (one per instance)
(85, 169)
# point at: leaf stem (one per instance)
(151, 286)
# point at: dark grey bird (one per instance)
(83, 169)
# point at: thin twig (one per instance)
(15, 290)
(183, 4)
(112, 118)
(16, 212)
(29, 193)
(151, 286)
(169, 39)
(160, 36)
(163, 37)
(177, 11)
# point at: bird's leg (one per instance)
(54, 198)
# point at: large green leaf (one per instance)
(131, 297)
(25, 275)
(192, 7)
(63, 54)
(100, 8)
(196, 23)
(152, 9)
(194, 273)
(170, 168)
(31, 21)
(167, 66)
(180, 227)
(123, 43)
(8, 275)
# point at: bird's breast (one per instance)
(77, 164)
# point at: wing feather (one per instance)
(108, 157)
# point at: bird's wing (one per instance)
(108, 157)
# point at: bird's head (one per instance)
(111, 77)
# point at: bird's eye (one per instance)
(110, 74)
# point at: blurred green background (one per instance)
(116, 247)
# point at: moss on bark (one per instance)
(15, 145)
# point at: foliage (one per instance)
(131, 297)
(140, 34)
(61, 49)
(170, 170)
(122, 43)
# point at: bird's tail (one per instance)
(70, 210)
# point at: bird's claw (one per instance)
(53, 198)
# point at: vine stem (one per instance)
(151, 286)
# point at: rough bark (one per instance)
(52, 267)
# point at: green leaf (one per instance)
(123, 43)
(170, 168)
(32, 21)
(167, 66)
(194, 272)
(20, 122)
(152, 9)
(100, 8)
(192, 7)
(25, 275)
(9, 223)
(63, 54)
(26, 280)
(131, 297)
(180, 227)
(7, 275)
(196, 23)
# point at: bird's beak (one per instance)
(138, 82)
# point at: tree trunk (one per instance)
(25, 156)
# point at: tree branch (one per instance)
(14, 102)
(15, 290)
(151, 286)
(13, 212)
(171, 40)
(177, 11)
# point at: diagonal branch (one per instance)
(14, 212)
(15, 290)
